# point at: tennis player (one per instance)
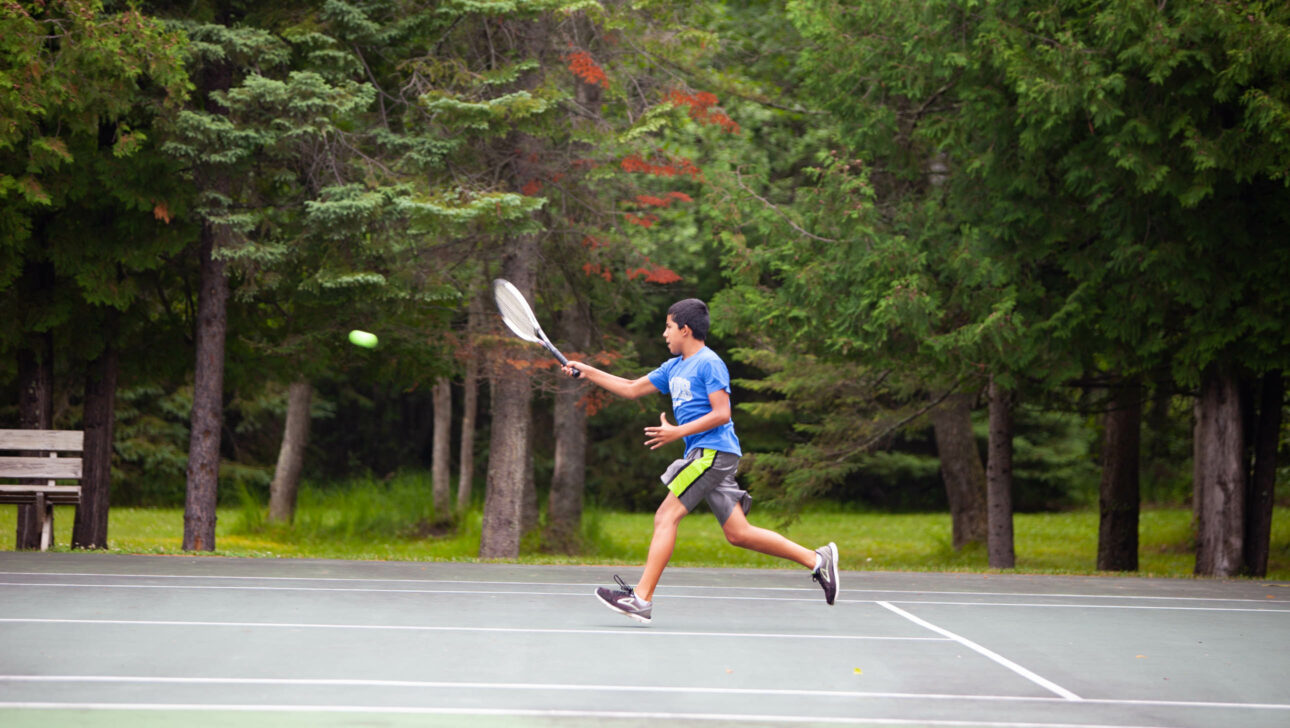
(697, 380)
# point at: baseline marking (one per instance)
(584, 585)
(503, 712)
(578, 687)
(1085, 606)
(65, 585)
(424, 628)
(69, 585)
(994, 656)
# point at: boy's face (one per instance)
(673, 335)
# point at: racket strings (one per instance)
(517, 315)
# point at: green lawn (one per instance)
(1055, 543)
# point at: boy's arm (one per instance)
(629, 388)
(666, 432)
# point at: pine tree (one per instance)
(84, 213)
(1056, 185)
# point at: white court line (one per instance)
(665, 689)
(512, 592)
(508, 592)
(521, 713)
(668, 587)
(994, 656)
(1087, 606)
(424, 628)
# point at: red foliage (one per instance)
(657, 274)
(654, 201)
(667, 168)
(723, 121)
(533, 187)
(595, 269)
(645, 221)
(582, 66)
(701, 104)
(595, 400)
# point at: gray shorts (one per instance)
(708, 475)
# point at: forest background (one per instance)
(965, 257)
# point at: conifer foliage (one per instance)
(304, 168)
(83, 218)
(1049, 197)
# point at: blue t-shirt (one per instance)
(689, 382)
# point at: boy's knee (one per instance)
(661, 520)
(669, 514)
(737, 535)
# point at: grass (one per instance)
(375, 520)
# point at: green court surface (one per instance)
(95, 639)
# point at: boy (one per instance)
(699, 384)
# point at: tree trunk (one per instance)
(999, 480)
(35, 412)
(440, 455)
(208, 399)
(509, 453)
(569, 474)
(1218, 446)
(291, 455)
(207, 418)
(508, 448)
(961, 469)
(568, 479)
(466, 457)
(90, 528)
(529, 511)
(1117, 537)
(1262, 482)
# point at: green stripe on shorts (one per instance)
(692, 472)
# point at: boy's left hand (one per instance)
(663, 434)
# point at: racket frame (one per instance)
(511, 303)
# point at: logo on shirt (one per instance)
(680, 388)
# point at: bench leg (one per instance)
(45, 512)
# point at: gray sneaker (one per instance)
(827, 574)
(624, 601)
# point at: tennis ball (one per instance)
(362, 338)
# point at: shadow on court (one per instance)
(92, 639)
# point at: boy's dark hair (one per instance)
(693, 313)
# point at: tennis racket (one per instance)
(519, 318)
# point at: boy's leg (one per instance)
(823, 562)
(745, 535)
(666, 519)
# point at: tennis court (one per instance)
(91, 639)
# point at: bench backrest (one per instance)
(52, 467)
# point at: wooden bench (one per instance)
(17, 465)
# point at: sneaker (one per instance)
(624, 601)
(827, 574)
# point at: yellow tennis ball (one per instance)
(362, 338)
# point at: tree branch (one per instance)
(740, 180)
(893, 428)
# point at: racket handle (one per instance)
(561, 358)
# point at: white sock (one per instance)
(819, 561)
